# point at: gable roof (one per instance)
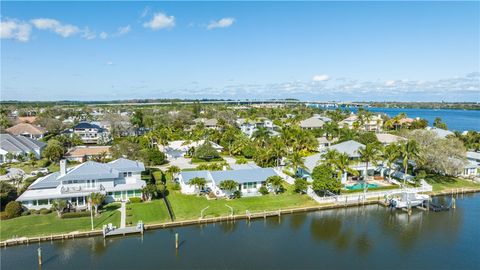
(88, 171)
(127, 165)
(239, 176)
(312, 122)
(80, 151)
(442, 133)
(349, 147)
(26, 128)
(19, 144)
(387, 138)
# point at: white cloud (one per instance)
(145, 12)
(103, 35)
(390, 83)
(123, 30)
(320, 78)
(160, 21)
(88, 35)
(64, 30)
(222, 23)
(109, 63)
(16, 30)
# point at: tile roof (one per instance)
(26, 128)
(81, 151)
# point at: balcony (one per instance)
(78, 189)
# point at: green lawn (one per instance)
(440, 182)
(190, 206)
(148, 212)
(37, 225)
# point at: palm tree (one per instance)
(172, 170)
(276, 183)
(261, 136)
(410, 151)
(228, 185)
(32, 158)
(198, 182)
(342, 163)
(391, 154)
(369, 154)
(296, 161)
(96, 199)
(59, 206)
(278, 149)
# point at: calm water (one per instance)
(456, 119)
(370, 237)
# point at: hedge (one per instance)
(76, 214)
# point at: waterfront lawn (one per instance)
(44, 225)
(440, 182)
(148, 212)
(189, 206)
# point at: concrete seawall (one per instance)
(247, 216)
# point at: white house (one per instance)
(249, 180)
(375, 123)
(91, 133)
(176, 149)
(249, 127)
(441, 133)
(19, 145)
(314, 122)
(472, 169)
(119, 180)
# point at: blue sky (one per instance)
(403, 51)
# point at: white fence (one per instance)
(361, 196)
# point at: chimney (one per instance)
(63, 167)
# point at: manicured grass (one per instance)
(440, 182)
(38, 225)
(190, 206)
(148, 212)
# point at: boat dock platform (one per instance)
(112, 231)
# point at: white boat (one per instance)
(405, 199)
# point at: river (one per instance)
(369, 237)
(459, 120)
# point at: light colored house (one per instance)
(249, 180)
(472, 169)
(314, 122)
(441, 133)
(84, 153)
(248, 127)
(119, 180)
(208, 123)
(27, 130)
(324, 143)
(19, 145)
(386, 138)
(176, 149)
(351, 148)
(374, 124)
(91, 133)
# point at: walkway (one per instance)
(123, 216)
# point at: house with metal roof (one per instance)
(441, 133)
(19, 145)
(119, 180)
(314, 122)
(249, 180)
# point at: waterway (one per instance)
(367, 237)
(460, 120)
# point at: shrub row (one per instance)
(76, 214)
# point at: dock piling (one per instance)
(39, 252)
(176, 240)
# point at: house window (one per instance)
(130, 193)
(81, 201)
(42, 202)
(129, 174)
(138, 193)
(110, 193)
(125, 174)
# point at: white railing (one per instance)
(364, 195)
